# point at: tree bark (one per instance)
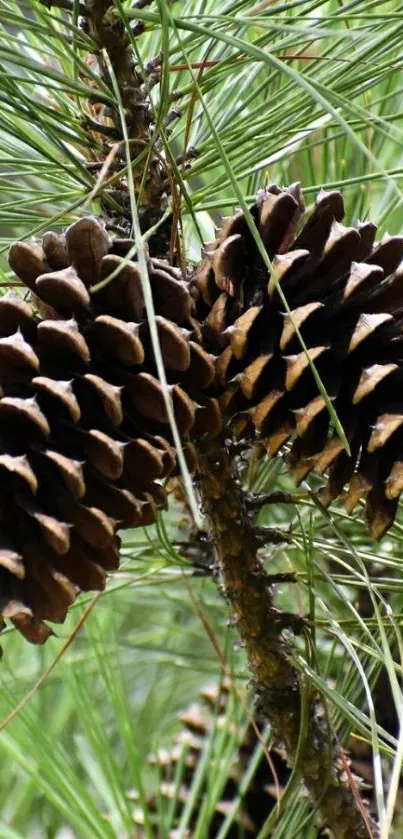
(247, 589)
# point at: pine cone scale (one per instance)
(84, 417)
(344, 298)
(85, 431)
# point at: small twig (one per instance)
(256, 502)
(100, 128)
(270, 536)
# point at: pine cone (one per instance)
(85, 437)
(85, 434)
(346, 299)
(200, 723)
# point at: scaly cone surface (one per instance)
(84, 433)
(85, 437)
(345, 294)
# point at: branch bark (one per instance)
(110, 35)
(246, 586)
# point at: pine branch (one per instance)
(245, 584)
(110, 34)
(247, 588)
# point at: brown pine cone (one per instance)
(346, 299)
(85, 437)
(85, 434)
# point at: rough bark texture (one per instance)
(247, 588)
(110, 35)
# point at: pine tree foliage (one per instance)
(199, 109)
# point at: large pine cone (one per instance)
(85, 434)
(85, 437)
(346, 300)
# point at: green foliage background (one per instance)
(267, 91)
